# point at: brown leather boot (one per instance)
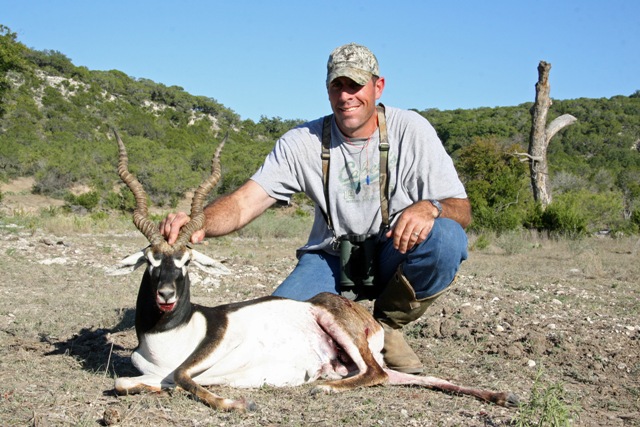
(395, 307)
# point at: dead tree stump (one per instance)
(541, 135)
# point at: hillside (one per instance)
(57, 118)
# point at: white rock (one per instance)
(51, 261)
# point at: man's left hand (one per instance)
(413, 226)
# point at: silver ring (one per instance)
(416, 234)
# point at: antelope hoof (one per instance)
(512, 400)
(242, 405)
(250, 406)
(322, 389)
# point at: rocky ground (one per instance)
(556, 322)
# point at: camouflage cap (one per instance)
(353, 61)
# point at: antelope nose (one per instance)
(166, 294)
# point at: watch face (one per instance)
(437, 206)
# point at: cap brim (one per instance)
(359, 76)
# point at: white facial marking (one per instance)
(180, 263)
(152, 261)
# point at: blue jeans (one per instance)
(430, 266)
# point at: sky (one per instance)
(268, 58)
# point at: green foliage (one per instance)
(11, 52)
(274, 127)
(123, 200)
(635, 219)
(60, 131)
(460, 128)
(597, 155)
(88, 200)
(547, 407)
(52, 61)
(628, 181)
(564, 218)
(496, 184)
(580, 212)
(481, 242)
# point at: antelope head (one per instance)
(166, 274)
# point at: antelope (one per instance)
(266, 341)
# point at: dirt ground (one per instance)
(17, 197)
(525, 314)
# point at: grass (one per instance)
(277, 224)
(508, 242)
(59, 222)
(547, 407)
(273, 224)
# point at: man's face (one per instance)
(354, 106)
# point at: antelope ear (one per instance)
(128, 264)
(208, 265)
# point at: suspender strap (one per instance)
(326, 156)
(384, 165)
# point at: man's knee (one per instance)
(433, 266)
(451, 237)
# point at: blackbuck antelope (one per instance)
(270, 340)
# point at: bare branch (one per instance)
(528, 157)
(558, 124)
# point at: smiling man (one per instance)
(390, 210)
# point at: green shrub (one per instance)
(123, 200)
(496, 184)
(88, 200)
(99, 216)
(584, 211)
(564, 218)
(481, 242)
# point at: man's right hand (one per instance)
(171, 225)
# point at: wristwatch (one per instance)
(437, 205)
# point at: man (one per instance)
(392, 205)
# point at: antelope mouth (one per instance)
(166, 307)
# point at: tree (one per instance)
(541, 135)
(10, 59)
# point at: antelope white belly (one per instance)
(276, 342)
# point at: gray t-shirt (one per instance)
(419, 169)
